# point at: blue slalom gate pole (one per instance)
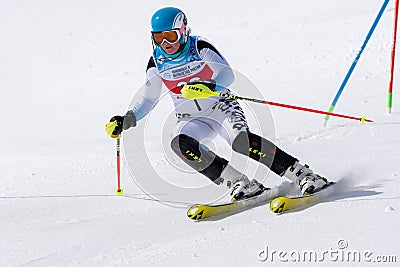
(353, 65)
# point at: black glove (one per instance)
(119, 123)
(210, 83)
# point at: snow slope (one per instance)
(68, 66)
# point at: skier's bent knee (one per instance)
(264, 151)
(199, 157)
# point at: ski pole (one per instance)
(390, 91)
(119, 190)
(200, 91)
(353, 65)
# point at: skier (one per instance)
(180, 58)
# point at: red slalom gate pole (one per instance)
(119, 190)
(390, 91)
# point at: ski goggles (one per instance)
(171, 36)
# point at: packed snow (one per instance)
(68, 66)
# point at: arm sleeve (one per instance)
(223, 74)
(151, 94)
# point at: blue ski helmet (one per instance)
(170, 18)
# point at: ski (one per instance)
(200, 212)
(285, 204)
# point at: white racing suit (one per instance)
(205, 118)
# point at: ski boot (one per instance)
(244, 188)
(241, 187)
(308, 181)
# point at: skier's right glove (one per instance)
(119, 123)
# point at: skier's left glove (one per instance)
(210, 83)
(119, 123)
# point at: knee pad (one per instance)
(199, 157)
(264, 151)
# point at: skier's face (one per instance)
(170, 48)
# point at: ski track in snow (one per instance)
(66, 69)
